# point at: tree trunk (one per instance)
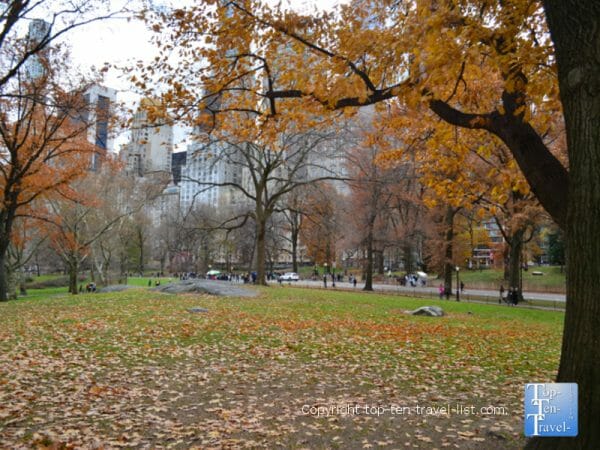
(294, 252)
(261, 231)
(3, 277)
(575, 29)
(73, 268)
(448, 250)
(11, 284)
(407, 257)
(142, 256)
(380, 263)
(369, 264)
(514, 262)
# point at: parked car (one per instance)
(289, 276)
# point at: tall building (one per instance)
(100, 100)
(151, 147)
(178, 161)
(38, 31)
(206, 175)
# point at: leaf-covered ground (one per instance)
(291, 369)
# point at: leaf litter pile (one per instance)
(289, 369)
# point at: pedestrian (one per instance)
(462, 287)
(354, 281)
(501, 299)
(325, 281)
(441, 291)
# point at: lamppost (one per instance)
(457, 284)
(333, 276)
(325, 268)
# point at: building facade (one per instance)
(100, 101)
(151, 146)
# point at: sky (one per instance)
(122, 42)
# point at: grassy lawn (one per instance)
(292, 368)
(552, 280)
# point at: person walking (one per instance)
(501, 299)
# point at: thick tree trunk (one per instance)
(575, 29)
(448, 250)
(3, 277)
(12, 281)
(380, 263)
(73, 267)
(514, 262)
(261, 231)
(407, 257)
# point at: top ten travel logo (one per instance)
(551, 409)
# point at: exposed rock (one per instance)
(432, 311)
(115, 288)
(213, 287)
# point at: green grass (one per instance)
(138, 364)
(552, 280)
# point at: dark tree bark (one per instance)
(575, 30)
(449, 249)
(261, 232)
(514, 261)
(571, 197)
(73, 267)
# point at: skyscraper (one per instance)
(151, 145)
(38, 31)
(100, 100)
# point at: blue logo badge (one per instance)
(551, 409)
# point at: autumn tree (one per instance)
(265, 175)
(25, 243)
(76, 224)
(319, 232)
(18, 51)
(429, 52)
(44, 149)
(293, 211)
(372, 192)
(42, 134)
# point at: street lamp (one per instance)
(325, 268)
(333, 277)
(457, 284)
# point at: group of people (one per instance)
(512, 296)
(351, 279)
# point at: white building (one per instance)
(206, 175)
(38, 31)
(151, 145)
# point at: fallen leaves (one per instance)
(128, 371)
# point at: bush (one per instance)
(53, 282)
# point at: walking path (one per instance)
(551, 300)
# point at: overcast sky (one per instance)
(122, 42)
